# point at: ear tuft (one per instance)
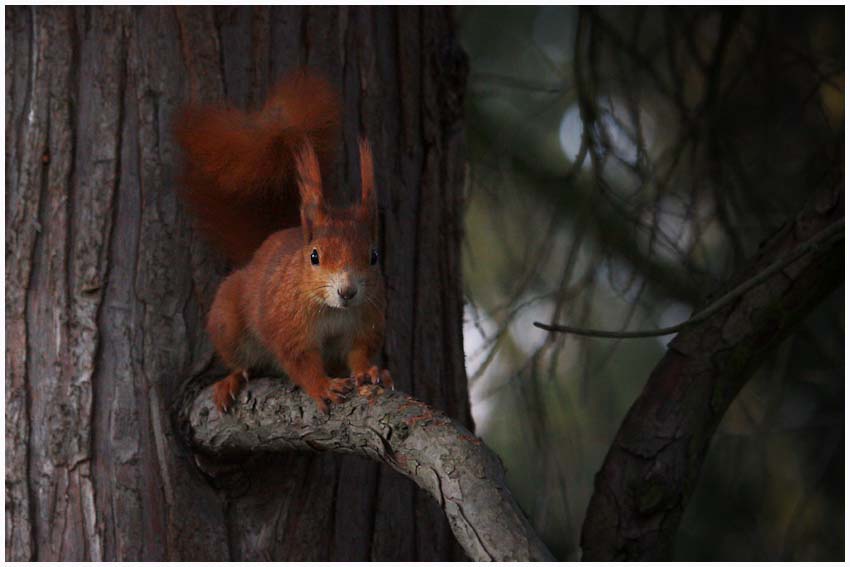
(309, 176)
(309, 186)
(368, 199)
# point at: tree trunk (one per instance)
(107, 286)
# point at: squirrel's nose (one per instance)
(347, 292)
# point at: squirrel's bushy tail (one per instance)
(238, 171)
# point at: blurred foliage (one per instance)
(624, 163)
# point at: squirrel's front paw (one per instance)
(226, 389)
(334, 391)
(375, 376)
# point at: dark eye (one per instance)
(314, 257)
(374, 258)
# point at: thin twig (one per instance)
(826, 236)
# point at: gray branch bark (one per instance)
(437, 453)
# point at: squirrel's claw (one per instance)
(226, 390)
(387, 379)
(222, 396)
(376, 376)
(337, 390)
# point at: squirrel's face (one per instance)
(342, 264)
(340, 251)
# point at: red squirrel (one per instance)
(304, 300)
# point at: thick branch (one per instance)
(423, 444)
(655, 460)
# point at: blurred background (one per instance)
(624, 162)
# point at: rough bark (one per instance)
(654, 462)
(440, 455)
(107, 285)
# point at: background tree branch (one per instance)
(436, 452)
(654, 462)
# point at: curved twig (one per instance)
(825, 237)
(437, 453)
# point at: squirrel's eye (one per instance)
(314, 257)
(374, 259)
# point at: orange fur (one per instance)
(367, 175)
(310, 302)
(238, 174)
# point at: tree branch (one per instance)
(654, 462)
(441, 456)
(825, 237)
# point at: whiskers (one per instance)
(318, 295)
(371, 299)
(323, 293)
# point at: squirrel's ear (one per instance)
(310, 188)
(368, 198)
(367, 176)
